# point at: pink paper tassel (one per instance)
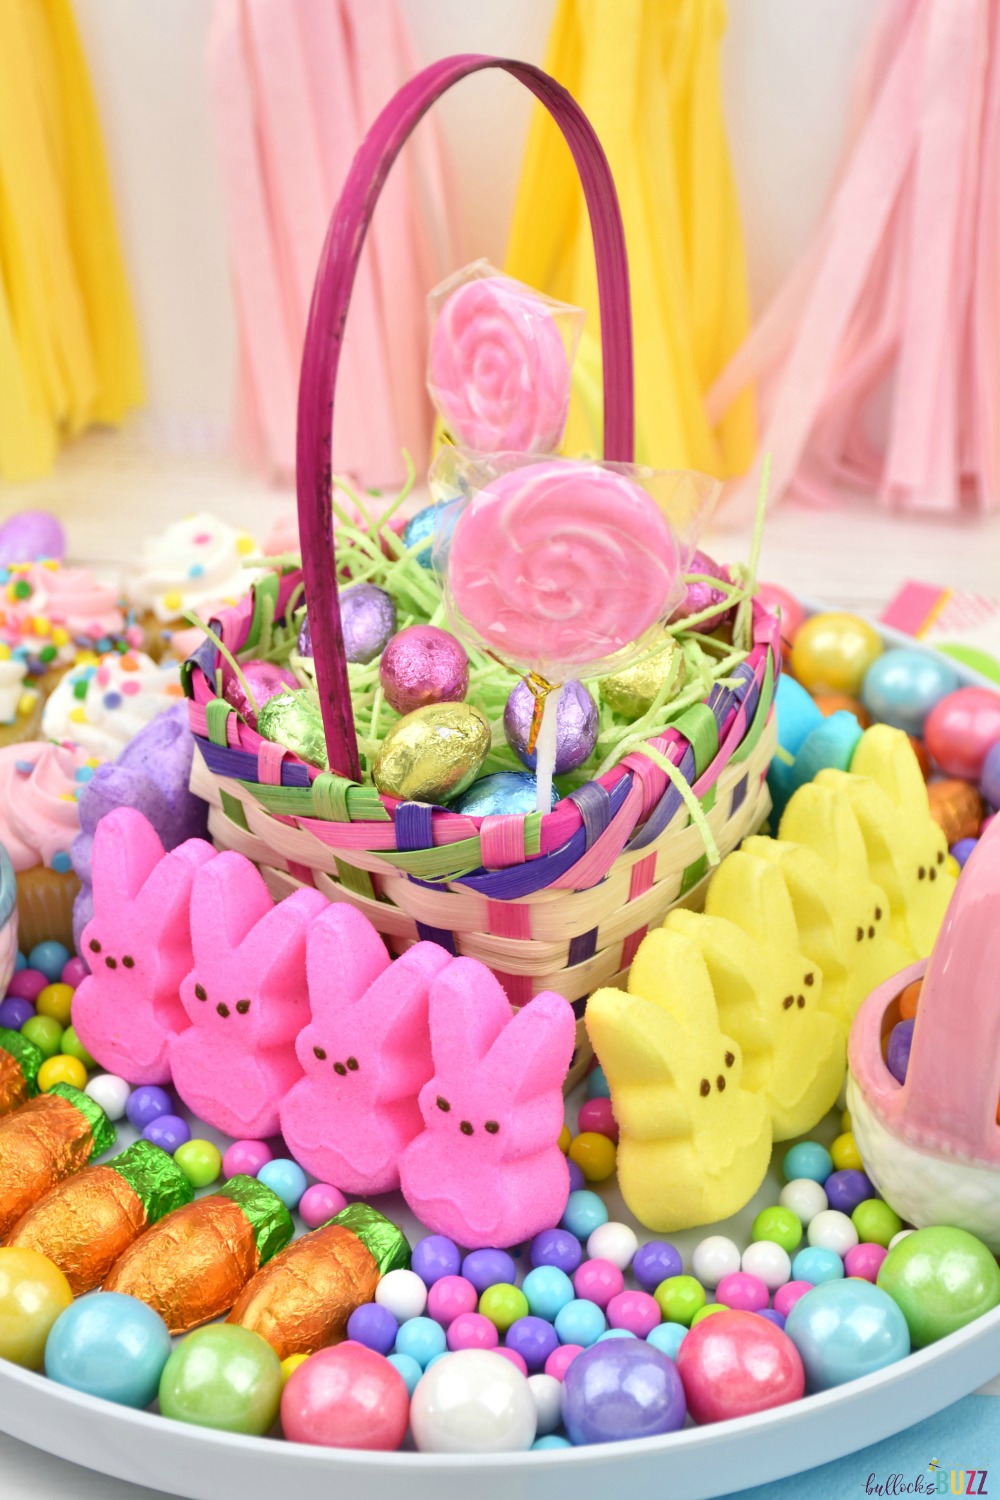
(877, 362)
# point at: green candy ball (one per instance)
(200, 1161)
(780, 1226)
(940, 1279)
(503, 1305)
(224, 1377)
(876, 1222)
(679, 1298)
(73, 1047)
(46, 1034)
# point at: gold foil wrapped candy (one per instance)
(85, 1223)
(44, 1141)
(956, 808)
(20, 1061)
(631, 692)
(433, 754)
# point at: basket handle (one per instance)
(325, 331)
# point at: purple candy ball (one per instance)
(897, 1057)
(486, 1268)
(30, 534)
(576, 725)
(655, 1262)
(533, 1339)
(963, 849)
(847, 1188)
(772, 1315)
(556, 1247)
(699, 596)
(14, 1012)
(620, 1389)
(374, 1326)
(434, 1257)
(576, 1177)
(423, 664)
(989, 776)
(168, 1132)
(264, 679)
(148, 1103)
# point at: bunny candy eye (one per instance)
(940, 857)
(704, 1088)
(443, 1104)
(340, 1070)
(811, 978)
(492, 1126)
(242, 1006)
(921, 873)
(352, 1063)
(871, 932)
(112, 963)
(932, 873)
(199, 992)
(95, 946)
(859, 935)
(128, 961)
(466, 1127)
(788, 1002)
(720, 1083)
(320, 1052)
(878, 913)
(801, 1002)
(223, 1009)
(730, 1059)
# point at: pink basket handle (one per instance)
(324, 336)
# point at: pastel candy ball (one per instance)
(637, 1312)
(546, 1392)
(46, 1034)
(550, 1441)
(421, 1338)
(876, 1223)
(111, 1346)
(14, 1011)
(320, 1202)
(768, 1262)
(614, 1242)
(897, 1055)
(833, 651)
(473, 1402)
(847, 1188)
(654, 1262)
(962, 850)
(560, 1359)
(408, 1368)
(61, 1069)
(284, 1177)
(146, 1104)
(596, 1117)
(594, 1154)
(621, 1389)
(110, 1092)
(714, 1259)
(786, 1296)
(73, 1047)
(844, 1153)
(422, 665)
(583, 1212)
(503, 1305)
(667, 1337)
(245, 1158)
(200, 1161)
(742, 1292)
(472, 1331)
(434, 1257)
(28, 535)
(33, 1293)
(598, 1281)
(513, 1357)
(903, 685)
(486, 1268)
(679, 1298)
(373, 1326)
(74, 971)
(448, 1298)
(55, 1000)
(780, 1225)
(224, 1377)
(49, 958)
(941, 1279)
(832, 1230)
(401, 1291)
(961, 729)
(816, 1264)
(580, 1322)
(556, 1247)
(844, 1330)
(534, 1339)
(865, 1260)
(597, 1083)
(168, 1132)
(548, 1289)
(346, 1397)
(735, 1364)
(807, 1159)
(27, 984)
(989, 776)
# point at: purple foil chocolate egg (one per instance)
(265, 681)
(423, 665)
(576, 725)
(699, 596)
(367, 618)
(29, 535)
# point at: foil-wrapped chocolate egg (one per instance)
(294, 720)
(367, 618)
(576, 725)
(421, 529)
(421, 665)
(503, 792)
(263, 678)
(631, 692)
(433, 754)
(699, 595)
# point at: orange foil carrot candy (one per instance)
(44, 1141)
(302, 1300)
(84, 1224)
(192, 1265)
(20, 1061)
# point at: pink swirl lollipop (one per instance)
(498, 369)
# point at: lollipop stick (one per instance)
(545, 751)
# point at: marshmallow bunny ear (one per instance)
(886, 756)
(754, 896)
(403, 985)
(821, 818)
(228, 899)
(669, 971)
(533, 1051)
(126, 850)
(344, 958)
(468, 1010)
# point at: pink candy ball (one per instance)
(596, 1116)
(26, 984)
(742, 1292)
(961, 728)
(774, 598)
(560, 1359)
(864, 1260)
(598, 1281)
(346, 1397)
(246, 1157)
(74, 971)
(637, 1312)
(423, 664)
(517, 1360)
(318, 1203)
(734, 1363)
(786, 1296)
(471, 1330)
(449, 1298)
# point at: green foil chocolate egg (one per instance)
(294, 720)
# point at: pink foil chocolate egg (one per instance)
(699, 595)
(423, 665)
(264, 679)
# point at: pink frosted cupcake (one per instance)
(39, 819)
(51, 614)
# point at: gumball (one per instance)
(73, 1047)
(245, 1158)
(807, 1159)
(622, 1389)
(14, 1011)
(832, 1230)
(110, 1092)
(55, 1000)
(832, 653)
(580, 1322)
(61, 1069)
(941, 1279)
(472, 1331)
(450, 1297)
(596, 1115)
(780, 1225)
(435, 1256)
(111, 1346)
(512, 1356)
(408, 1368)
(33, 1292)
(597, 1083)
(654, 1262)
(714, 1259)
(897, 1056)
(735, 1364)
(614, 1242)
(961, 729)
(594, 1154)
(816, 1264)
(225, 1377)
(576, 726)
(346, 1397)
(374, 1326)
(421, 1338)
(679, 1298)
(667, 1337)
(583, 1212)
(876, 1223)
(148, 1103)
(168, 1132)
(548, 1289)
(767, 1262)
(786, 1296)
(284, 1177)
(27, 984)
(637, 1312)
(422, 665)
(534, 1339)
(49, 958)
(486, 1268)
(962, 851)
(989, 775)
(320, 1202)
(473, 1402)
(503, 1305)
(560, 1359)
(844, 1330)
(598, 1281)
(865, 1260)
(291, 1363)
(46, 1034)
(74, 972)
(200, 1161)
(556, 1247)
(847, 1188)
(742, 1291)
(614, 1333)
(778, 600)
(903, 685)
(550, 1441)
(546, 1392)
(576, 1177)
(401, 1291)
(264, 679)
(844, 1153)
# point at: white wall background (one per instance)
(788, 66)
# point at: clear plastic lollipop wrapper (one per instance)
(499, 361)
(562, 568)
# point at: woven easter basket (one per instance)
(558, 901)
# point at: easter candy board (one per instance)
(709, 1460)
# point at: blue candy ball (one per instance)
(511, 792)
(597, 1083)
(846, 1329)
(771, 1314)
(816, 1265)
(109, 1345)
(580, 1322)
(583, 1213)
(548, 1290)
(284, 1177)
(830, 746)
(551, 1440)
(807, 1159)
(408, 1368)
(20, 962)
(621, 1389)
(422, 1339)
(667, 1337)
(614, 1333)
(902, 686)
(50, 958)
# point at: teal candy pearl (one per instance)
(846, 1329)
(902, 686)
(109, 1345)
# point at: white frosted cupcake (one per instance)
(103, 707)
(20, 703)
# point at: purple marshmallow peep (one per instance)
(698, 596)
(29, 535)
(151, 775)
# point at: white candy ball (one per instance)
(546, 1392)
(713, 1259)
(473, 1401)
(832, 1230)
(614, 1242)
(769, 1262)
(805, 1198)
(110, 1092)
(403, 1294)
(900, 1236)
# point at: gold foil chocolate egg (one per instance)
(432, 754)
(631, 691)
(295, 721)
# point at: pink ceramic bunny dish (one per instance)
(931, 1145)
(245, 998)
(366, 1054)
(486, 1169)
(138, 945)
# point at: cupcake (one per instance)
(8, 919)
(103, 706)
(39, 819)
(195, 565)
(20, 702)
(52, 615)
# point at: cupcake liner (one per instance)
(45, 906)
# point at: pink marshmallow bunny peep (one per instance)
(138, 945)
(366, 1055)
(487, 1169)
(245, 997)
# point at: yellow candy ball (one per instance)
(61, 1069)
(55, 1000)
(953, 867)
(832, 652)
(290, 1363)
(33, 1292)
(594, 1154)
(565, 1137)
(845, 1121)
(846, 1154)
